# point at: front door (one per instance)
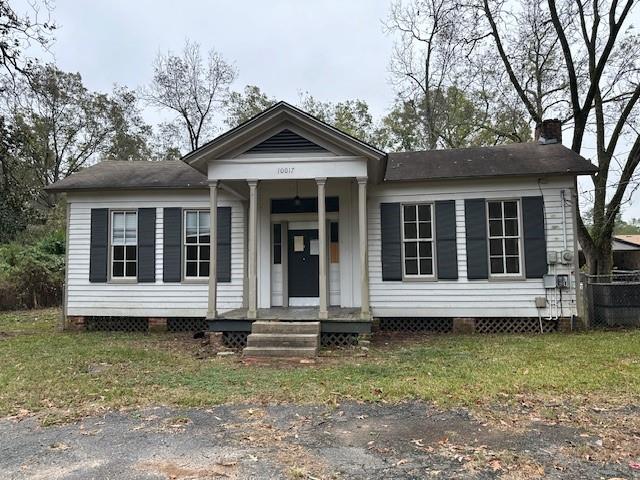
(303, 263)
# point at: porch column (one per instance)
(213, 250)
(364, 266)
(252, 311)
(322, 242)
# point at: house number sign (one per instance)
(285, 170)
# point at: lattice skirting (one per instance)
(515, 325)
(235, 340)
(336, 339)
(182, 324)
(432, 325)
(117, 324)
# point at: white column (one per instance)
(213, 250)
(364, 266)
(322, 242)
(252, 311)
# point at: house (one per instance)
(625, 250)
(311, 224)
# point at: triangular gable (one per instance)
(286, 141)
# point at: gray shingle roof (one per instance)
(113, 174)
(504, 160)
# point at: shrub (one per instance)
(32, 276)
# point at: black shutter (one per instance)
(99, 245)
(475, 219)
(147, 245)
(391, 241)
(172, 245)
(535, 244)
(446, 254)
(223, 262)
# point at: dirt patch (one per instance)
(175, 471)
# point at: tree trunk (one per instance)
(599, 258)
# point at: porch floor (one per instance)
(336, 314)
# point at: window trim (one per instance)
(183, 252)
(110, 277)
(419, 277)
(506, 276)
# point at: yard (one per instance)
(586, 384)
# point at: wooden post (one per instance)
(364, 267)
(322, 242)
(212, 311)
(252, 311)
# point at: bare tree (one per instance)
(191, 87)
(600, 85)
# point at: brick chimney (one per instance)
(549, 131)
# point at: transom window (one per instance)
(504, 237)
(197, 243)
(124, 244)
(417, 239)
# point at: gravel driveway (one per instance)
(350, 440)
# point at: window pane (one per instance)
(205, 222)
(511, 228)
(411, 250)
(511, 246)
(277, 254)
(118, 253)
(495, 228)
(131, 226)
(411, 267)
(204, 269)
(131, 269)
(496, 265)
(205, 239)
(410, 230)
(277, 232)
(192, 253)
(513, 265)
(495, 210)
(495, 247)
(425, 229)
(425, 249)
(118, 229)
(409, 213)
(424, 213)
(192, 269)
(192, 226)
(334, 232)
(204, 252)
(510, 210)
(426, 267)
(131, 252)
(118, 269)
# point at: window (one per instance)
(124, 244)
(197, 243)
(417, 240)
(334, 244)
(277, 243)
(504, 237)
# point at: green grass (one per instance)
(70, 374)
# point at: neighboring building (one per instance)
(307, 216)
(625, 250)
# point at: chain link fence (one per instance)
(612, 300)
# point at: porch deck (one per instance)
(339, 319)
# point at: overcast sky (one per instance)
(334, 49)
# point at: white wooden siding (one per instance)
(157, 299)
(464, 297)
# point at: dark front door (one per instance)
(303, 263)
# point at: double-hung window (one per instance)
(196, 243)
(124, 244)
(417, 240)
(504, 237)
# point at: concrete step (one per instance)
(296, 352)
(283, 340)
(262, 326)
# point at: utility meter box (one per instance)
(552, 258)
(562, 281)
(549, 281)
